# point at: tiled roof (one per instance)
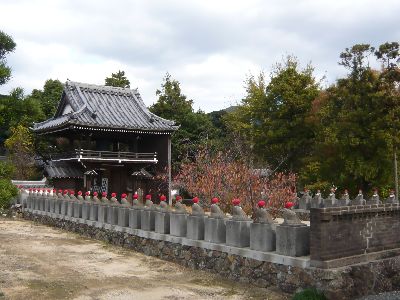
(62, 170)
(98, 106)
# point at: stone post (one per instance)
(178, 221)
(86, 203)
(135, 213)
(292, 236)
(102, 211)
(47, 202)
(238, 228)
(112, 214)
(214, 225)
(262, 230)
(58, 203)
(70, 204)
(42, 200)
(147, 216)
(195, 222)
(94, 208)
(162, 216)
(52, 202)
(64, 204)
(123, 212)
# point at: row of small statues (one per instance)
(261, 214)
(307, 202)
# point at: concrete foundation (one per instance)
(135, 218)
(147, 219)
(178, 224)
(238, 233)
(215, 230)
(123, 216)
(195, 227)
(293, 240)
(162, 222)
(262, 237)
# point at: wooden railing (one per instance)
(81, 154)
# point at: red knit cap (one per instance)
(261, 203)
(104, 194)
(214, 200)
(123, 196)
(163, 198)
(195, 200)
(113, 195)
(148, 197)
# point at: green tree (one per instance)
(118, 79)
(272, 118)
(195, 127)
(21, 152)
(7, 190)
(7, 45)
(48, 97)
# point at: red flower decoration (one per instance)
(148, 197)
(261, 203)
(123, 196)
(236, 202)
(80, 193)
(178, 198)
(113, 195)
(289, 205)
(195, 200)
(163, 198)
(214, 200)
(135, 196)
(104, 194)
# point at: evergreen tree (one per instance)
(118, 80)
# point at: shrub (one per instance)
(7, 192)
(309, 294)
(6, 170)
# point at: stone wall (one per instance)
(353, 234)
(340, 283)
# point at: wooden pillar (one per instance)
(169, 171)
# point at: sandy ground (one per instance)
(40, 262)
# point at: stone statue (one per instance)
(180, 208)
(345, 195)
(262, 215)
(316, 202)
(60, 195)
(375, 198)
(392, 198)
(359, 200)
(148, 204)
(197, 210)
(80, 198)
(114, 200)
(305, 200)
(216, 212)
(290, 218)
(104, 198)
(95, 198)
(124, 202)
(87, 196)
(163, 204)
(237, 212)
(135, 201)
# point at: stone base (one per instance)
(77, 210)
(63, 208)
(262, 237)
(86, 210)
(293, 240)
(343, 202)
(178, 224)
(162, 222)
(214, 230)
(112, 215)
(94, 212)
(195, 227)
(123, 217)
(238, 233)
(46, 205)
(135, 218)
(70, 209)
(147, 220)
(51, 206)
(102, 213)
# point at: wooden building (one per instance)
(105, 139)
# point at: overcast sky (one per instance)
(209, 46)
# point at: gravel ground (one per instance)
(40, 262)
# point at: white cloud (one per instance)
(209, 46)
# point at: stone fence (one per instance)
(354, 250)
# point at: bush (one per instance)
(7, 193)
(6, 170)
(309, 294)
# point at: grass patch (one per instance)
(309, 294)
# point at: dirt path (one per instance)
(39, 262)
